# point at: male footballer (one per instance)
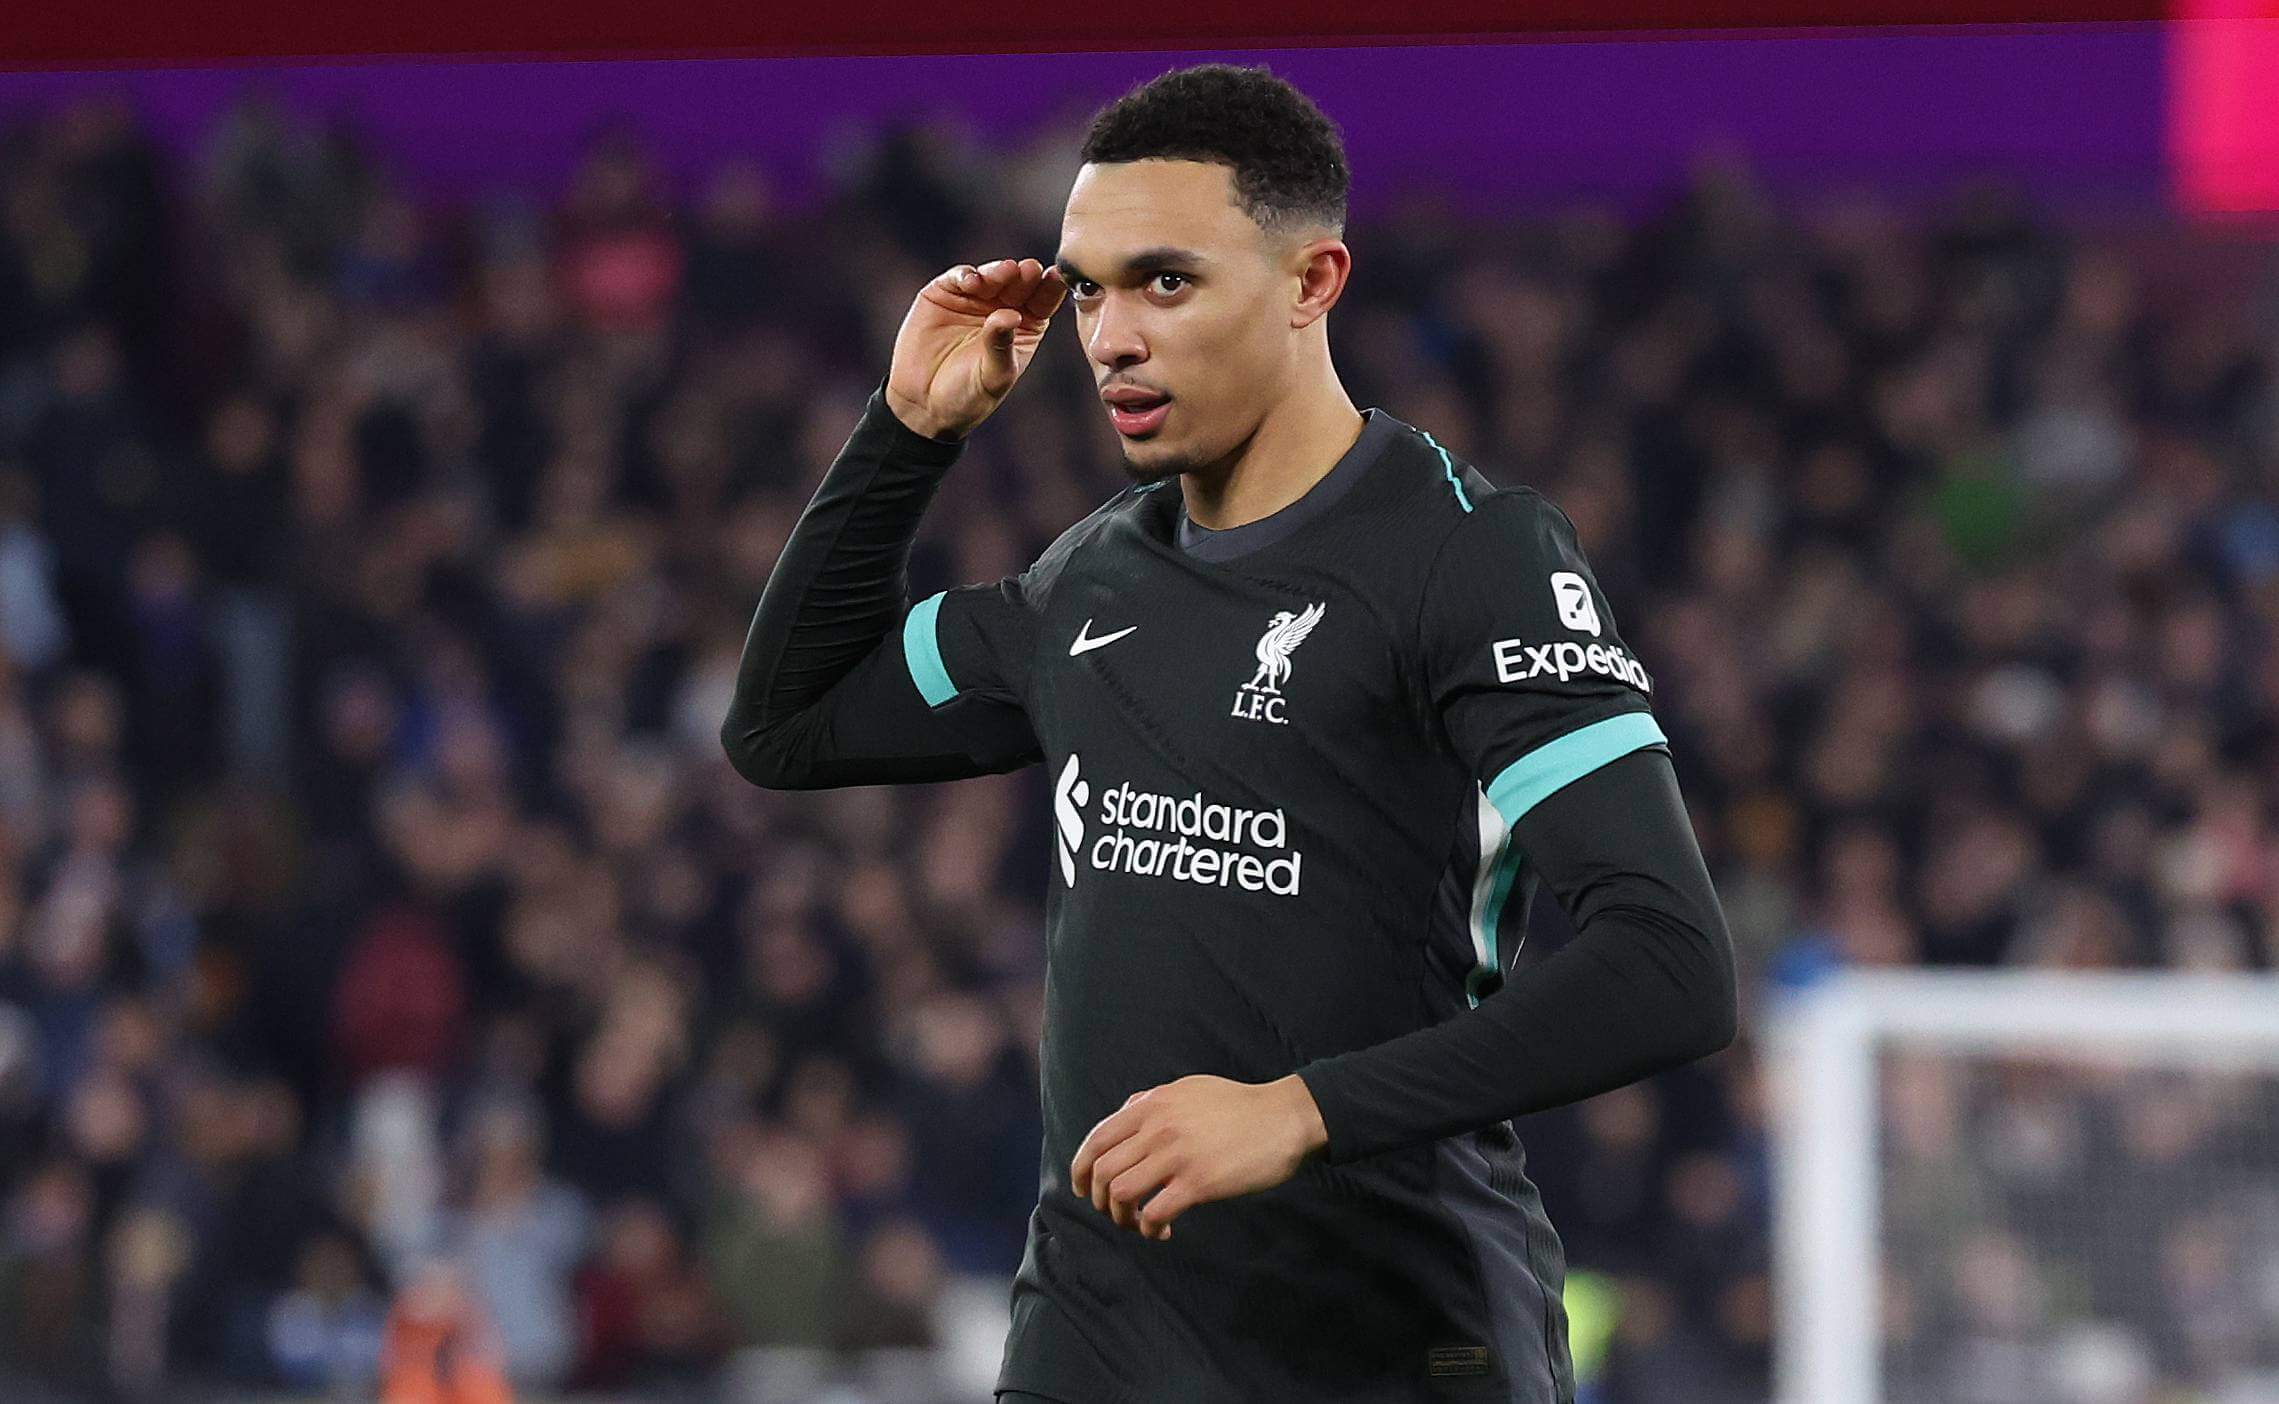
(1321, 708)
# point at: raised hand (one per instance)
(968, 336)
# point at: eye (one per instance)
(1177, 278)
(1081, 288)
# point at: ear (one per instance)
(1322, 267)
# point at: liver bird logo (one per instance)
(1275, 646)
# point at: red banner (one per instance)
(59, 34)
(2223, 106)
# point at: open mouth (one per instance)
(1139, 415)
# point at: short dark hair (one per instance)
(1288, 159)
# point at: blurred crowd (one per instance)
(389, 956)
(2083, 1234)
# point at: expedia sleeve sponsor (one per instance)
(1519, 644)
(1517, 660)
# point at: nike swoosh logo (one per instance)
(1082, 644)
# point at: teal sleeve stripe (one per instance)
(1526, 782)
(923, 652)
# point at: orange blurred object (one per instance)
(439, 1348)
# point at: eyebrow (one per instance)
(1155, 260)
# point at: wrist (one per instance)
(914, 418)
(1302, 1114)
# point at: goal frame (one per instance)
(1822, 1047)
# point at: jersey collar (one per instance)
(1168, 515)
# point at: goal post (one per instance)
(2106, 1048)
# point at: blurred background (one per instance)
(401, 998)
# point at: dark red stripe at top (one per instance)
(66, 34)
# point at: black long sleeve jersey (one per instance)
(1306, 779)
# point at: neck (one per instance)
(1295, 445)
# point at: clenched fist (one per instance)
(967, 338)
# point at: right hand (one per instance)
(967, 338)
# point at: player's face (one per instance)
(1183, 304)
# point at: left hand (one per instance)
(1193, 1141)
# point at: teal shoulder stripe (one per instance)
(1447, 466)
(923, 651)
(1526, 782)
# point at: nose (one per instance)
(1115, 341)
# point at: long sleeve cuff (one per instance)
(882, 433)
(1344, 1115)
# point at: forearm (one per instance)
(1646, 984)
(836, 592)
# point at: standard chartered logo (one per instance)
(1183, 838)
(1069, 796)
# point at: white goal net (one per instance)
(2028, 1188)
